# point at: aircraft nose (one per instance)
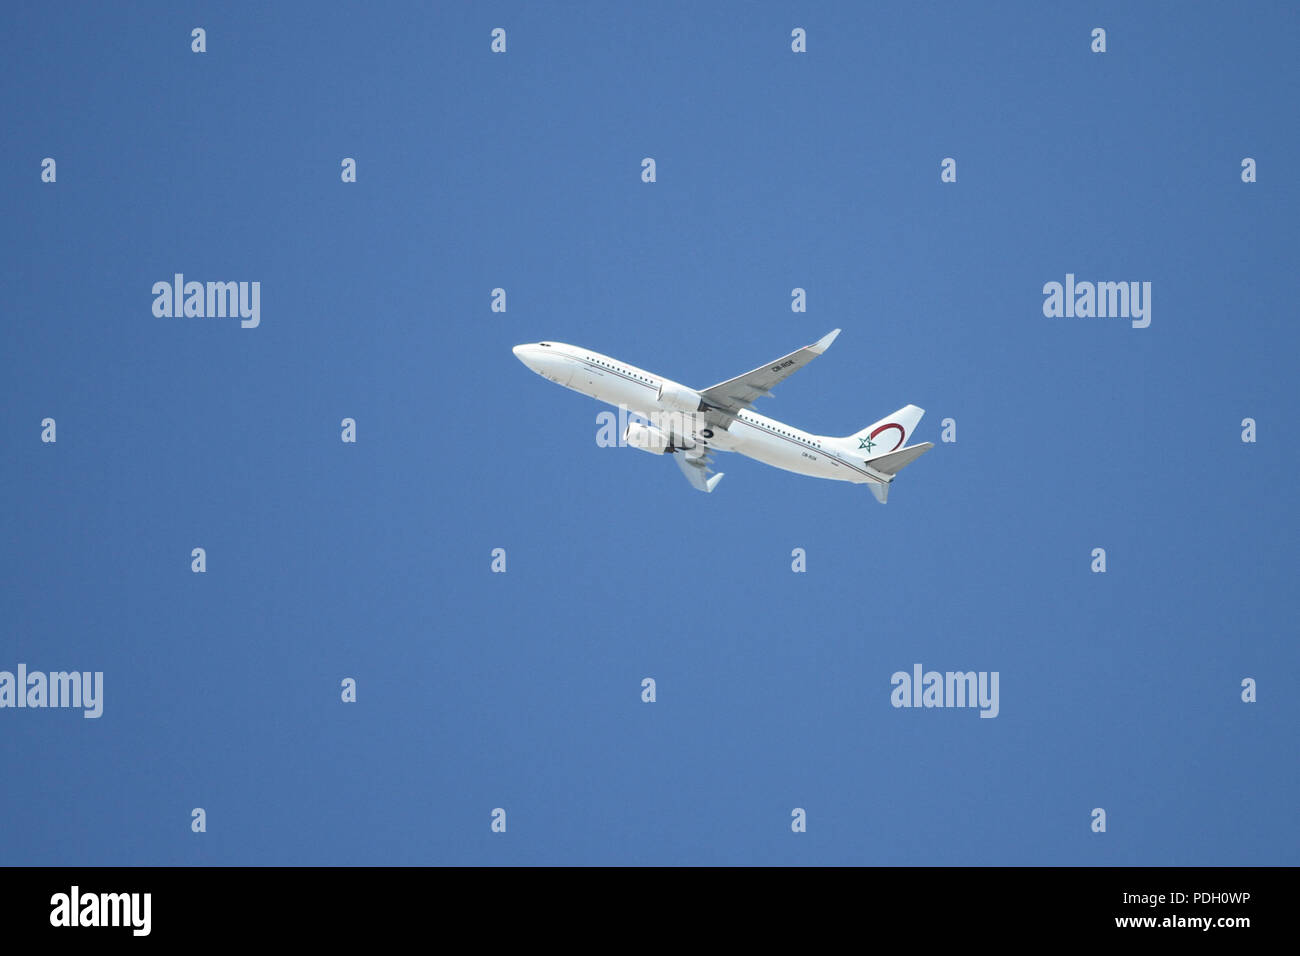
(527, 354)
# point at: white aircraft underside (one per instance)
(690, 425)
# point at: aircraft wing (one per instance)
(728, 398)
(697, 470)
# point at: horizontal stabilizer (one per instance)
(880, 489)
(891, 463)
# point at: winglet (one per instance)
(822, 344)
(713, 482)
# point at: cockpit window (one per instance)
(545, 345)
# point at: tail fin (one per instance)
(887, 435)
(883, 449)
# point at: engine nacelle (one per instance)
(646, 437)
(679, 398)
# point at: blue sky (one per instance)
(521, 690)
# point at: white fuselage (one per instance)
(752, 435)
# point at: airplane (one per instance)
(691, 425)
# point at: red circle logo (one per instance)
(901, 434)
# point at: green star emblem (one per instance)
(866, 443)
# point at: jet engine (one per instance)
(679, 398)
(646, 437)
